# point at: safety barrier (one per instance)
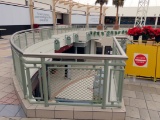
(143, 61)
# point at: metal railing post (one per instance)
(44, 77)
(29, 83)
(26, 39)
(121, 77)
(41, 34)
(23, 76)
(105, 92)
(19, 41)
(13, 59)
(34, 37)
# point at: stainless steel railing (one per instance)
(105, 67)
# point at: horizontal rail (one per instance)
(77, 56)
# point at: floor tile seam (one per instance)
(19, 110)
(145, 98)
(146, 105)
(137, 107)
(138, 112)
(3, 107)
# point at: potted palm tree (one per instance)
(101, 2)
(117, 3)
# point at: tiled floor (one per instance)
(142, 97)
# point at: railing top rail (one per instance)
(123, 56)
(118, 45)
(75, 56)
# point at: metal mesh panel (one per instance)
(45, 34)
(18, 67)
(29, 36)
(71, 83)
(16, 41)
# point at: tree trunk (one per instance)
(116, 23)
(100, 16)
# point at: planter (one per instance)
(116, 27)
(145, 37)
(136, 37)
(157, 39)
(100, 27)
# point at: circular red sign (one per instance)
(140, 60)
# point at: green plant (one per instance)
(122, 31)
(94, 33)
(98, 33)
(102, 33)
(107, 33)
(116, 33)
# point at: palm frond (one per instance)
(101, 2)
(118, 2)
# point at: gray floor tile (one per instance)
(126, 101)
(135, 88)
(1, 107)
(138, 103)
(10, 110)
(154, 115)
(140, 95)
(128, 93)
(144, 114)
(156, 97)
(130, 118)
(148, 96)
(132, 112)
(144, 84)
(125, 87)
(154, 85)
(158, 91)
(150, 90)
(20, 113)
(152, 105)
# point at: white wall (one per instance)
(131, 11)
(14, 15)
(78, 19)
(16, 1)
(93, 19)
(81, 19)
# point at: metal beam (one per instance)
(142, 10)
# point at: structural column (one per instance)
(92, 48)
(156, 21)
(70, 12)
(54, 13)
(119, 20)
(87, 17)
(31, 13)
(103, 17)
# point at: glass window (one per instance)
(127, 20)
(150, 20)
